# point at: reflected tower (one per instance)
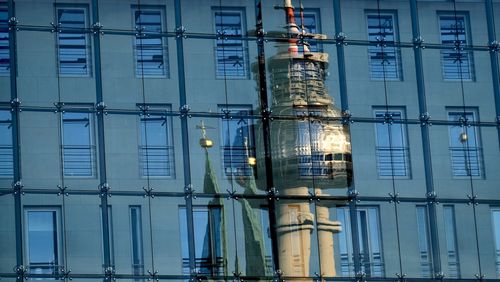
(310, 147)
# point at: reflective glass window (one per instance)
(465, 144)
(393, 157)
(208, 240)
(309, 21)
(456, 62)
(495, 213)
(384, 56)
(150, 46)
(78, 145)
(6, 149)
(372, 263)
(231, 53)
(156, 151)
(43, 240)
(237, 141)
(423, 242)
(136, 239)
(73, 42)
(4, 39)
(451, 241)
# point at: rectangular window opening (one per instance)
(465, 143)
(423, 242)
(231, 52)
(456, 63)
(43, 240)
(73, 43)
(156, 151)
(392, 150)
(150, 45)
(237, 144)
(78, 145)
(384, 55)
(4, 39)
(6, 148)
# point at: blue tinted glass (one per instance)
(42, 238)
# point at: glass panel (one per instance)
(130, 234)
(6, 149)
(167, 254)
(83, 235)
(40, 143)
(298, 238)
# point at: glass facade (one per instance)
(248, 140)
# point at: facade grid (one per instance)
(192, 140)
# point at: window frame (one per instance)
(84, 31)
(166, 110)
(137, 269)
(59, 233)
(92, 147)
(404, 137)
(164, 41)
(397, 50)
(468, 37)
(244, 45)
(477, 134)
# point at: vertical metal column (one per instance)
(426, 145)
(490, 20)
(185, 133)
(16, 183)
(266, 128)
(104, 187)
(344, 102)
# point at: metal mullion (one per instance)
(100, 138)
(185, 135)
(344, 101)
(425, 134)
(495, 68)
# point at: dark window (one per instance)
(73, 47)
(4, 39)
(78, 145)
(43, 239)
(385, 57)
(230, 51)
(392, 148)
(237, 141)
(208, 240)
(149, 45)
(465, 144)
(456, 62)
(6, 149)
(156, 151)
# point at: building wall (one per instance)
(191, 82)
